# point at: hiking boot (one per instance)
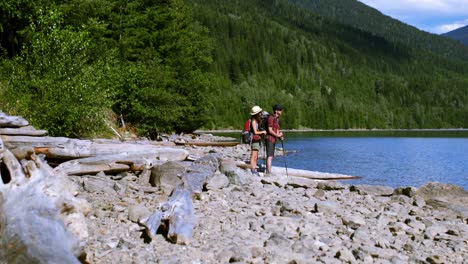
(255, 172)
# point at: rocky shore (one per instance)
(243, 218)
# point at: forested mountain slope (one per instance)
(359, 15)
(460, 34)
(73, 67)
(327, 74)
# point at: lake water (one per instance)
(391, 158)
(382, 158)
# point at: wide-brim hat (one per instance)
(255, 110)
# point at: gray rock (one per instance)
(353, 221)
(218, 181)
(97, 184)
(278, 240)
(360, 235)
(398, 228)
(432, 231)
(435, 259)
(236, 175)
(328, 206)
(418, 201)
(379, 253)
(372, 190)
(345, 255)
(319, 193)
(144, 177)
(167, 175)
(330, 186)
(407, 191)
(403, 199)
(416, 225)
(445, 196)
(137, 213)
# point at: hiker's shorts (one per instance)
(270, 148)
(256, 145)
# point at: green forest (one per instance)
(75, 67)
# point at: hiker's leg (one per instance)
(253, 159)
(268, 165)
(270, 149)
(255, 147)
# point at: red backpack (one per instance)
(247, 133)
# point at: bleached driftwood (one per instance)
(178, 213)
(315, 175)
(111, 163)
(209, 143)
(12, 121)
(46, 142)
(67, 149)
(23, 131)
(41, 220)
(311, 174)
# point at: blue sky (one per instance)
(435, 16)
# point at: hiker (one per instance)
(255, 119)
(273, 132)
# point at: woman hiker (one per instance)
(255, 119)
(274, 132)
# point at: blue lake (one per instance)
(391, 158)
(382, 158)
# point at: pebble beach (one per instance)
(244, 218)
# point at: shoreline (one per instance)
(243, 218)
(235, 216)
(346, 130)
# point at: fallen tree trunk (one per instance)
(209, 144)
(67, 149)
(93, 150)
(111, 163)
(23, 131)
(178, 211)
(46, 142)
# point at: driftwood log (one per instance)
(134, 161)
(12, 121)
(78, 157)
(177, 214)
(315, 175)
(209, 144)
(41, 220)
(23, 131)
(67, 148)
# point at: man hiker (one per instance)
(273, 134)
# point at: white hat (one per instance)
(255, 110)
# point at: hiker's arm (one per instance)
(278, 135)
(255, 130)
(281, 137)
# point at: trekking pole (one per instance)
(284, 157)
(264, 152)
